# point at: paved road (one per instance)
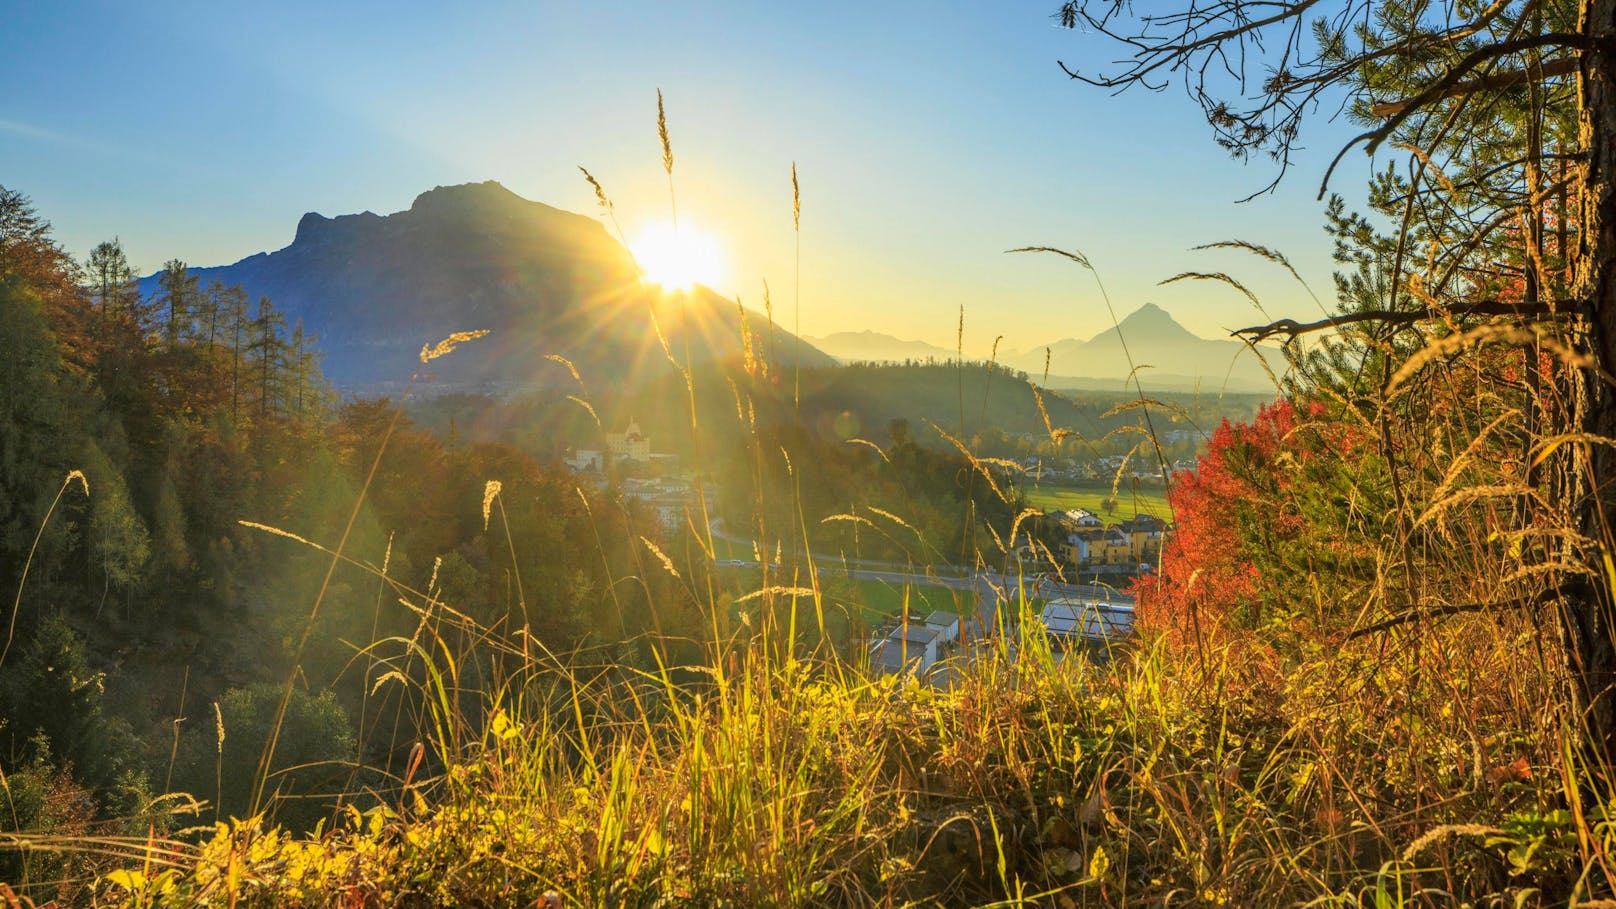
(991, 587)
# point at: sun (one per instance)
(678, 259)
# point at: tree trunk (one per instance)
(1588, 617)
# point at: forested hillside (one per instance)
(159, 456)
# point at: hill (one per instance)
(855, 346)
(375, 288)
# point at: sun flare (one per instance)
(678, 259)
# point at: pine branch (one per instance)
(1294, 329)
(1564, 66)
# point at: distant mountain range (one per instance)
(860, 346)
(1177, 359)
(374, 289)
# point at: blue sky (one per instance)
(929, 138)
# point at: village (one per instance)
(1085, 620)
(1080, 605)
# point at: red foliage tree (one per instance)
(1261, 511)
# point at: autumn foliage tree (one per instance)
(1271, 505)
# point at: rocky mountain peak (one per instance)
(467, 196)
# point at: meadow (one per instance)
(1093, 498)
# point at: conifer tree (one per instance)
(236, 318)
(266, 351)
(112, 285)
(179, 295)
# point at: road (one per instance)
(991, 587)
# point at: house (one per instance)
(907, 648)
(1082, 517)
(629, 445)
(1078, 617)
(946, 625)
(586, 459)
(1100, 546)
(1074, 518)
(670, 508)
(1085, 625)
(1145, 535)
(670, 499)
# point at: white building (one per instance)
(946, 625)
(629, 445)
(586, 459)
(668, 498)
(907, 648)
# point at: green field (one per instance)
(879, 598)
(866, 600)
(1129, 503)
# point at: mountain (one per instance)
(374, 289)
(1179, 360)
(1176, 357)
(873, 346)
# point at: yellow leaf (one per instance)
(133, 881)
(1099, 863)
(502, 727)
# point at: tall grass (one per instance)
(1032, 780)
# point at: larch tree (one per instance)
(234, 306)
(178, 288)
(266, 351)
(1507, 110)
(111, 280)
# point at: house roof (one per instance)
(913, 634)
(941, 619)
(1086, 619)
(891, 658)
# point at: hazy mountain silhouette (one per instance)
(374, 289)
(855, 346)
(1179, 360)
(1176, 356)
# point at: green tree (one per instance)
(52, 701)
(112, 286)
(120, 546)
(235, 315)
(316, 741)
(309, 396)
(40, 419)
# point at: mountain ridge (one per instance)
(544, 281)
(1177, 358)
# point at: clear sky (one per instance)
(929, 137)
